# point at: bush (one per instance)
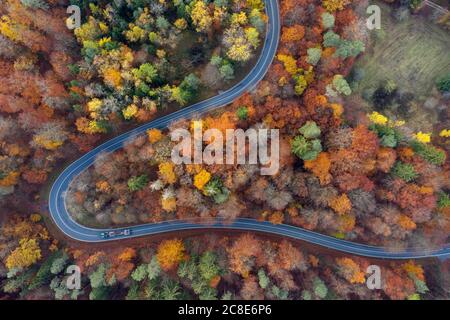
(428, 152)
(341, 85)
(59, 264)
(306, 295)
(415, 3)
(35, 4)
(327, 20)
(100, 293)
(404, 171)
(306, 146)
(208, 294)
(344, 48)
(146, 72)
(443, 83)
(208, 265)
(331, 39)
(133, 291)
(242, 113)
(279, 293)
(44, 274)
(389, 137)
(385, 94)
(189, 87)
(153, 269)
(137, 183)
(314, 55)
(305, 149)
(226, 72)
(215, 189)
(97, 277)
(320, 290)
(443, 200)
(264, 280)
(310, 130)
(139, 273)
(349, 48)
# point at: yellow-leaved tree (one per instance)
(334, 5)
(200, 16)
(201, 179)
(170, 253)
(166, 172)
(27, 253)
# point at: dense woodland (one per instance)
(370, 180)
(148, 55)
(353, 175)
(207, 267)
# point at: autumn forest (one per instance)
(363, 155)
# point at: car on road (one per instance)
(115, 233)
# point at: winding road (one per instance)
(58, 192)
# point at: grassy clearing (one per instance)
(413, 53)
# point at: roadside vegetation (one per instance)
(357, 159)
(206, 268)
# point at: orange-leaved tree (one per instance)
(350, 270)
(170, 253)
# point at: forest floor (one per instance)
(413, 53)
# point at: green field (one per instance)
(413, 53)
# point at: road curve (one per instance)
(62, 218)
